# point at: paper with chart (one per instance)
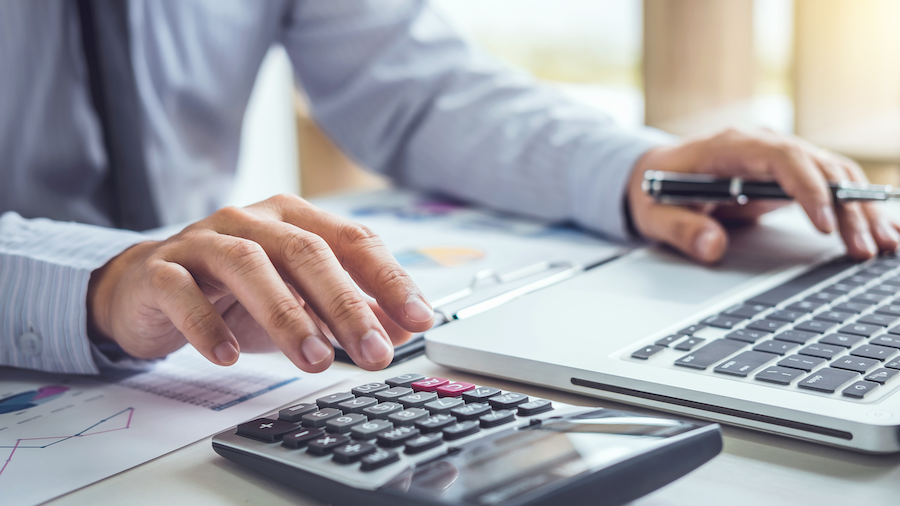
(59, 433)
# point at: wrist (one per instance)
(102, 290)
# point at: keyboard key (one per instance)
(881, 375)
(429, 384)
(893, 364)
(805, 306)
(817, 326)
(840, 340)
(723, 321)
(461, 430)
(404, 380)
(369, 389)
(745, 311)
(801, 362)
(859, 329)
(892, 281)
(356, 405)
(342, 424)
(320, 418)
(423, 443)
(326, 444)
(825, 351)
(860, 389)
(747, 336)
(687, 331)
(850, 307)
(417, 399)
(382, 411)
(666, 341)
(890, 310)
(435, 423)
(408, 416)
(833, 316)
(497, 418)
(352, 452)
(870, 298)
(873, 351)
(884, 289)
(378, 459)
(840, 288)
(294, 413)
(300, 438)
(689, 344)
(875, 270)
(443, 405)
(888, 340)
(647, 352)
(710, 354)
(480, 394)
(777, 347)
(827, 380)
(369, 430)
(331, 401)
(786, 316)
(470, 411)
(744, 364)
(894, 330)
(795, 336)
(396, 436)
(393, 393)
(824, 297)
(454, 389)
(766, 325)
(856, 364)
(535, 407)
(779, 375)
(508, 400)
(856, 280)
(265, 429)
(877, 319)
(800, 283)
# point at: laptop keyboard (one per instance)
(842, 335)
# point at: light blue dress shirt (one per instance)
(388, 80)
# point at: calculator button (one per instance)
(320, 417)
(454, 389)
(470, 411)
(326, 444)
(873, 351)
(856, 364)
(435, 423)
(378, 459)
(800, 362)
(744, 364)
(408, 416)
(535, 407)
(860, 389)
(497, 418)
(369, 389)
(265, 429)
(423, 442)
(825, 351)
(840, 340)
(392, 394)
(342, 424)
(294, 413)
(368, 430)
(331, 401)
(508, 400)
(356, 405)
(746, 335)
(404, 380)
(480, 394)
(777, 347)
(300, 438)
(881, 375)
(647, 352)
(795, 336)
(397, 436)
(826, 380)
(443, 405)
(429, 384)
(461, 430)
(779, 375)
(352, 452)
(417, 400)
(689, 343)
(381, 411)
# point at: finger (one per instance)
(883, 230)
(695, 234)
(852, 222)
(398, 334)
(749, 212)
(241, 267)
(177, 295)
(251, 337)
(803, 180)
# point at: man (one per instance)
(392, 84)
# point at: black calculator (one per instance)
(414, 440)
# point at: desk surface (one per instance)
(754, 468)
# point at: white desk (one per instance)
(754, 469)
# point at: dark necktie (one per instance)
(107, 50)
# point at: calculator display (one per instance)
(515, 464)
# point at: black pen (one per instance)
(681, 188)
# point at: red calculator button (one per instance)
(454, 389)
(429, 384)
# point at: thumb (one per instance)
(695, 234)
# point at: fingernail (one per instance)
(226, 353)
(826, 218)
(887, 231)
(703, 246)
(315, 350)
(374, 347)
(865, 242)
(418, 311)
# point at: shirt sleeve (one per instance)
(399, 91)
(45, 267)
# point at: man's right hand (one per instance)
(271, 273)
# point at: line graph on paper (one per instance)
(113, 423)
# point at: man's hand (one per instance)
(270, 273)
(800, 168)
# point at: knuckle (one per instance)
(284, 313)
(300, 249)
(355, 233)
(392, 277)
(286, 199)
(243, 255)
(200, 323)
(232, 214)
(166, 277)
(345, 305)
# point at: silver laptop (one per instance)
(784, 336)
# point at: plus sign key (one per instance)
(265, 429)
